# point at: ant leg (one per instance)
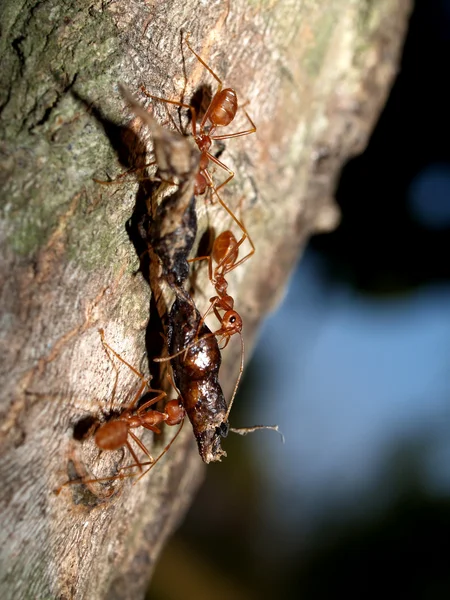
(210, 264)
(216, 161)
(218, 315)
(163, 452)
(102, 479)
(176, 103)
(239, 133)
(192, 343)
(207, 67)
(211, 307)
(162, 394)
(241, 370)
(172, 383)
(133, 453)
(154, 179)
(116, 379)
(197, 258)
(141, 446)
(152, 427)
(117, 355)
(125, 174)
(144, 381)
(83, 481)
(221, 202)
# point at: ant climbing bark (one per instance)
(220, 113)
(116, 433)
(225, 253)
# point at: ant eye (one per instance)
(233, 320)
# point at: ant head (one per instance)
(232, 322)
(175, 412)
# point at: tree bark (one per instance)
(315, 76)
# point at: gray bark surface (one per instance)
(315, 76)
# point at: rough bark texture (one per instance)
(315, 74)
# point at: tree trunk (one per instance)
(314, 76)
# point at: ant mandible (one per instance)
(114, 434)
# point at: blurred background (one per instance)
(355, 369)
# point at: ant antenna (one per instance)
(241, 370)
(246, 430)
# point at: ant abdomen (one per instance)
(224, 108)
(175, 412)
(225, 250)
(112, 435)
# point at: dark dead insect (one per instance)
(172, 244)
(196, 359)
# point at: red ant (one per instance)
(221, 112)
(225, 252)
(114, 434)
